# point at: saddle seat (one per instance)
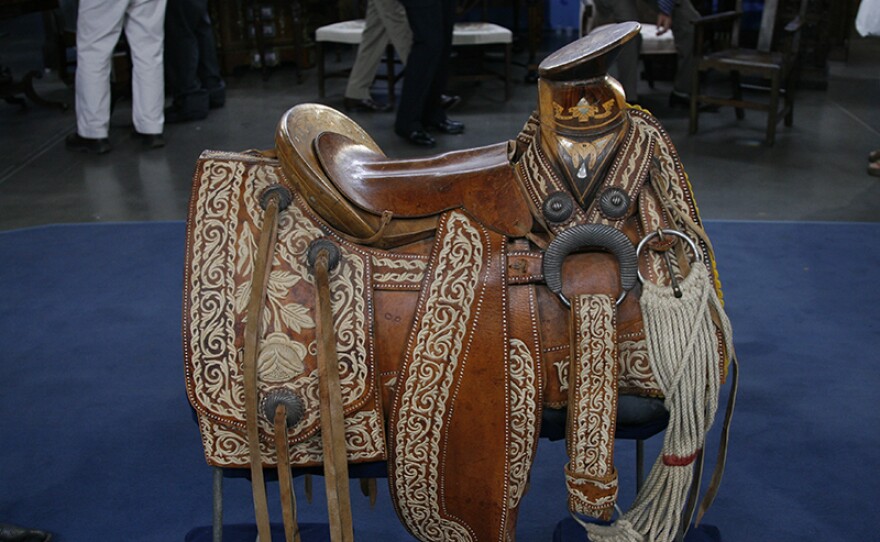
(480, 180)
(348, 180)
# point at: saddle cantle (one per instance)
(301, 168)
(343, 307)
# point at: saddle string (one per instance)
(720, 462)
(375, 237)
(253, 327)
(679, 215)
(331, 408)
(285, 479)
(693, 495)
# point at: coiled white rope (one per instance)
(682, 347)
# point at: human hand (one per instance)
(664, 23)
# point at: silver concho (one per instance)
(558, 207)
(614, 202)
(293, 403)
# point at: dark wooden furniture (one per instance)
(11, 89)
(262, 34)
(772, 61)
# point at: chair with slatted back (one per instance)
(773, 61)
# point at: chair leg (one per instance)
(640, 464)
(736, 83)
(789, 104)
(319, 53)
(390, 76)
(773, 114)
(507, 55)
(217, 521)
(649, 70)
(695, 103)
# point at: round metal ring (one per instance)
(660, 232)
(589, 235)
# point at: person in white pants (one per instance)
(99, 23)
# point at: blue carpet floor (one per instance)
(97, 441)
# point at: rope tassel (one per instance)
(682, 348)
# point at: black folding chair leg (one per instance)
(217, 521)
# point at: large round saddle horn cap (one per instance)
(590, 56)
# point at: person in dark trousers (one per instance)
(385, 22)
(192, 68)
(421, 106)
(675, 15)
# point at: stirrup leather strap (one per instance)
(592, 407)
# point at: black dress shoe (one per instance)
(217, 96)
(77, 143)
(150, 141)
(449, 127)
(419, 137)
(14, 533)
(176, 115)
(448, 101)
(367, 105)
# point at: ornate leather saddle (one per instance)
(344, 307)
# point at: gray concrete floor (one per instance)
(816, 170)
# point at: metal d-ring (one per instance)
(590, 235)
(660, 233)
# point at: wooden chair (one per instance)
(473, 42)
(470, 39)
(716, 49)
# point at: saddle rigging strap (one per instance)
(456, 415)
